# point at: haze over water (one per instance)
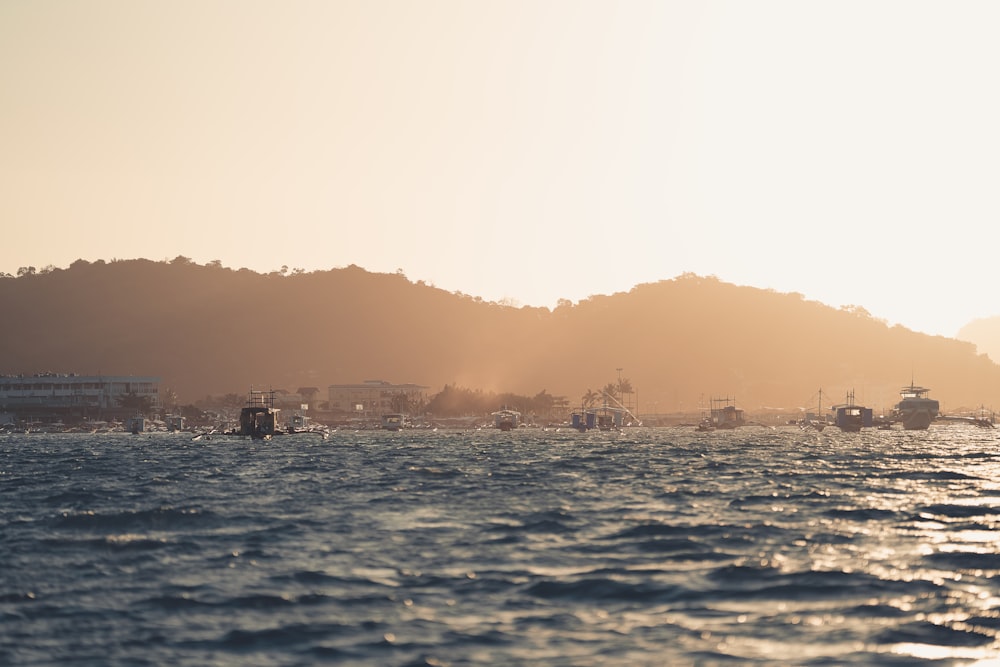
(649, 547)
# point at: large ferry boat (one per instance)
(914, 410)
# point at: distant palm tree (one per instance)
(590, 398)
(624, 387)
(542, 402)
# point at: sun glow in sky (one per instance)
(529, 150)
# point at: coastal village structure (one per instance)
(373, 398)
(70, 394)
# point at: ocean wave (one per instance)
(926, 632)
(604, 589)
(957, 511)
(163, 518)
(964, 561)
(759, 547)
(769, 582)
(931, 475)
(865, 514)
(280, 636)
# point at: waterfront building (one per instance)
(72, 394)
(373, 398)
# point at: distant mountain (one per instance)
(679, 342)
(984, 334)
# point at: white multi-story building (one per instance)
(55, 391)
(373, 398)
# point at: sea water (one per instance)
(652, 546)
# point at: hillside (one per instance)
(212, 330)
(985, 334)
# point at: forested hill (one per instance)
(213, 330)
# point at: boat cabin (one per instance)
(851, 417)
(725, 414)
(393, 421)
(259, 419)
(506, 419)
(602, 419)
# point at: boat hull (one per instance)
(506, 420)
(915, 411)
(392, 422)
(853, 417)
(916, 420)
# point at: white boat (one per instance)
(914, 410)
(506, 419)
(393, 421)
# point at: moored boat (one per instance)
(814, 421)
(393, 421)
(602, 419)
(852, 417)
(724, 414)
(506, 419)
(914, 410)
(135, 424)
(259, 418)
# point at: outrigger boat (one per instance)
(259, 419)
(816, 422)
(851, 417)
(393, 421)
(506, 419)
(605, 418)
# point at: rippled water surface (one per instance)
(650, 547)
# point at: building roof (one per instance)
(377, 384)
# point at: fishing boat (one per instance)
(393, 421)
(914, 410)
(613, 415)
(259, 418)
(298, 423)
(605, 418)
(259, 421)
(724, 414)
(982, 420)
(852, 417)
(506, 419)
(816, 422)
(135, 424)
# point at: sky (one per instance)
(518, 150)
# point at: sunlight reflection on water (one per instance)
(655, 546)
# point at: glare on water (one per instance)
(647, 546)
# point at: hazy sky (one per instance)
(529, 150)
